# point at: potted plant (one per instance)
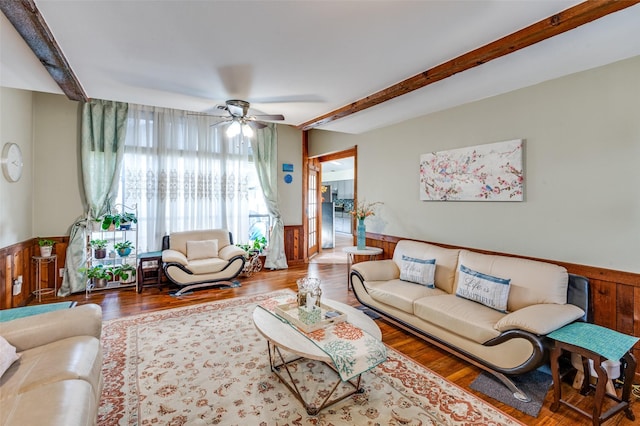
(255, 246)
(118, 220)
(259, 244)
(123, 248)
(125, 273)
(99, 248)
(46, 247)
(98, 275)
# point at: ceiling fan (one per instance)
(239, 120)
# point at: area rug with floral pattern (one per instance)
(206, 364)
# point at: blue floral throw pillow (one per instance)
(482, 288)
(419, 271)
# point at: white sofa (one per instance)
(206, 258)
(540, 297)
(57, 379)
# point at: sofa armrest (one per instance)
(230, 251)
(540, 319)
(174, 256)
(377, 270)
(37, 330)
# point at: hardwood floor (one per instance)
(126, 302)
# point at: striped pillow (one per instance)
(482, 288)
(419, 271)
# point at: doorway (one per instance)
(335, 185)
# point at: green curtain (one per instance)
(265, 154)
(103, 129)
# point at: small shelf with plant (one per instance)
(99, 248)
(98, 275)
(121, 221)
(124, 273)
(123, 248)
(46, 247)
(111, 244)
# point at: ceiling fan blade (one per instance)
(269, 117)
(204, 114)
(225, 121)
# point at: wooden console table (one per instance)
(598, 344)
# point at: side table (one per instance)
(598, 344)
(149, 269)
(352, 251)
(44, 260)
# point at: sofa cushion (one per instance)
(483, 288)
(419, 271)
(532, 282)
(64, 403)
(8, 355)
(178, 240)
(207, 266)
(205, 249)
(461, 316)
(77, 357)
(446, 260)
(399, 294)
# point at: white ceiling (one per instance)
(305, 58)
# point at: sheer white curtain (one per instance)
(183, 174)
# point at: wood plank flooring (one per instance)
(126, 302)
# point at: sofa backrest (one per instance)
(446, 260)
(532, 281)
(178, 240)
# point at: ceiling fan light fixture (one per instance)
(238, 127)
(234, 129)
(247, 130)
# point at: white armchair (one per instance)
(206, 258)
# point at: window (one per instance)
(184, 174)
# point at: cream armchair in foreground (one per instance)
(206, 258)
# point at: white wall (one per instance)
(290, 195)
(16, 200)
(582, 170)
(57, 177)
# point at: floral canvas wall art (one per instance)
(491, 172)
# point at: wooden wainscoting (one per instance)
(614, 295)
(294, 244)
(16, 260)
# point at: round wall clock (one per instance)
(11, 162)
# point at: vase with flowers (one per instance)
(361, 212)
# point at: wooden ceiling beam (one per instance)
(559, 23)
(27, 20)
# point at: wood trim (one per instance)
(17, 260)
(349, 152)
(305, 194)
(388, 243)
(294, 244)
(29, 23)
(554, 25)
(614, 295)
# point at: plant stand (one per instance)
(39, 261)
(252, 265)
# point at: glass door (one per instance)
(312, 206)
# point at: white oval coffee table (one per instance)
(283, 336)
